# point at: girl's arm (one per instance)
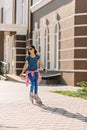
(41, 64)
(25, 67)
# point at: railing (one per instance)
(3, 68)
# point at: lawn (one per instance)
(79, 93)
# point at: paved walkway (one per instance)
(58, 112)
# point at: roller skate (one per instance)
(32, 97)
(37, 100)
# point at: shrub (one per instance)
(83, 84)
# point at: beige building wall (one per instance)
(71, 19)
(65, 11)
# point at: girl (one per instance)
(33, 73)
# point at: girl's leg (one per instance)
(31, 87)
(38, 100)
(32, 83)
(36, 83)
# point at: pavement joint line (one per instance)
(58, 112)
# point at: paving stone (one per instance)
(58, 112)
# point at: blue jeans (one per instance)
(34, 82)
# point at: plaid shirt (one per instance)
(32, 73)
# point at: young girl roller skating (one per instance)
(33, 74)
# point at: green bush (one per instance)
(83, 84)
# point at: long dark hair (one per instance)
(35, 51)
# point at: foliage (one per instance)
(79, 93)
(83, 84)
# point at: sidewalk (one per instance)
(58, 112)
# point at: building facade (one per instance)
(13, 29)
(59, 33)
(57, 28)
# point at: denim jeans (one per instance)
(34, 82)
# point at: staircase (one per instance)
(20, 46)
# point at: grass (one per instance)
(79, 93)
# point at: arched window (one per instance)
(38, 41)
(54, 43)
(39, 46)
(56, 46)
(36, 38)
(45, 48)
(48, 49)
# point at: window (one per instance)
(23, 12)
(46, 49)
(36, 38)
(39, 47)
(1, 15)
(55, 46)
(14, 12)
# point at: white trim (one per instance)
(72, 27)
(76, 59)
(39, 5)
(73, 15)
(80, 25)
(73, 38)
(74, 70)
(66, 39)
(36, 3)
(63, 19)
(80, 14)
(74, 48)
(77, 14)
(14, 28)
(85, 36)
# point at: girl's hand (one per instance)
(45, 70)
(21, 74)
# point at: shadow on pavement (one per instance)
(13, 127)
(65, 113)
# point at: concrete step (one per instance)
(50, 74)
(16, 78)
(3, 77)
